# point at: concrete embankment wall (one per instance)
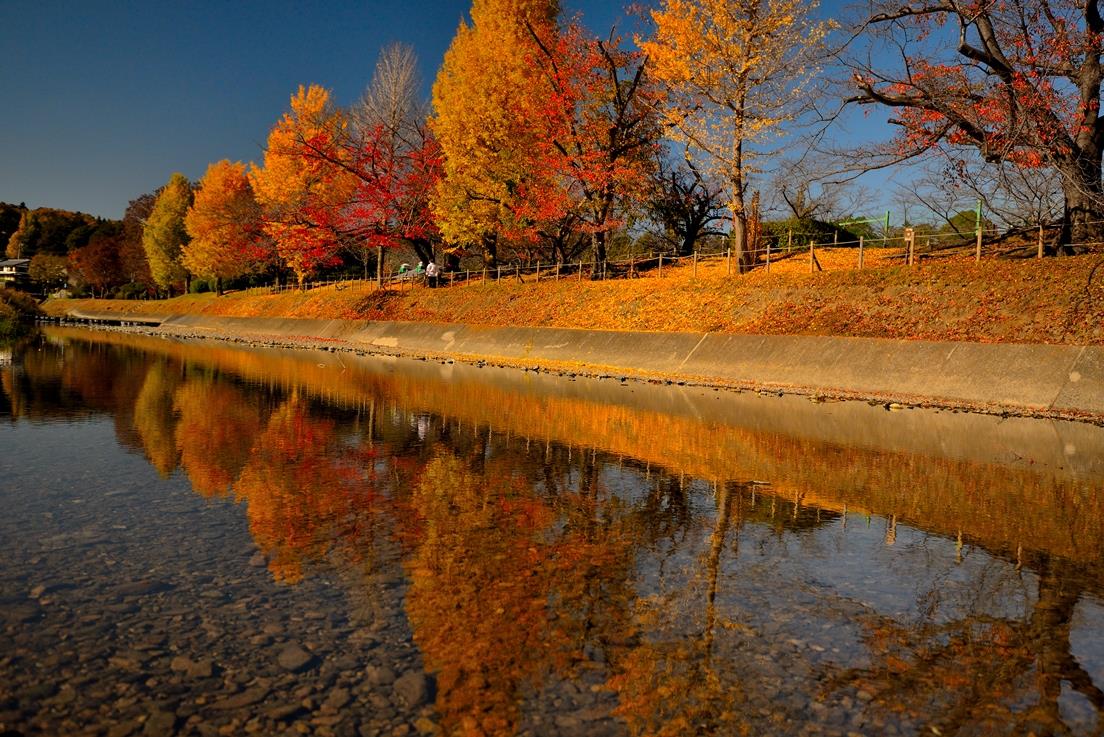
(1045, 379)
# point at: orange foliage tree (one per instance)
(224, 222)
(299, 188)
(601, 149)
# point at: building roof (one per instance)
(15, 262)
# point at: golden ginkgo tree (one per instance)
(485, 100)
(737, 72)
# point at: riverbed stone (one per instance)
(295, 658)
(379, 675)
(159, 723)
(412, 688)
(248, 697)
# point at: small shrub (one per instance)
(17, 312)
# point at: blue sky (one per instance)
(102, 101)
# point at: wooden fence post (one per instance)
(977, 249)
(484, 276)
(538, 271)
(789, 240)
(661, 265)
(910, 244)
(580, 271)
(728, 259)
(1040, 253)
(695, 263)
(812, 257)
(768, 255)
(862, 238)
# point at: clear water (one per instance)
(200, 538)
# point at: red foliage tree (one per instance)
(605, 134)
(1017, 80)
(390, 202)
(98, 265)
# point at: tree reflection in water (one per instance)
(534, 560)
(983, 673)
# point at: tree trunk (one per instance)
(598, 247)
(490, 250)
(1083, 216)
(738, 241)
(218, 286)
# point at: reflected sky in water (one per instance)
(537, 555)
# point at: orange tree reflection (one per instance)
(508, 587)
(305, 493)
(216, 432)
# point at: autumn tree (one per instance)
(132, 253)
(1016, 81)
(47, 270)
(484, 102)
(600, 151)
(395, 160)
(685, 204)
(10, 215)
(737, 71)
(47, 230)
(96, 265)
(299, 188)
(225, 226)
(164, 234)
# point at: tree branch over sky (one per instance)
(1016, 81)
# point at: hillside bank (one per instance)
(1052, 301)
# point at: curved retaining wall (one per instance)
(1034, 379)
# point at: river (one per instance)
(200, 538)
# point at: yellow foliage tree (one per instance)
(736, 72)
(484, 99)
(224, 223)
(164, 235)
(302, 185)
